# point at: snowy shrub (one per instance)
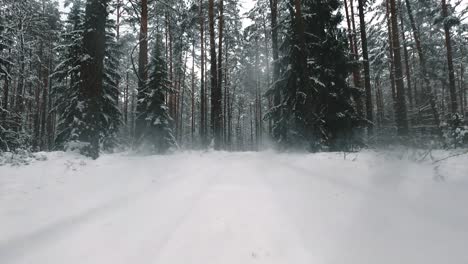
(20, 157)
(456, 134)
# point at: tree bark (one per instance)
(400, 111)
(126, 98)
(365, 56)
(142, 66)
(301, 38)
(451, 71)
(92, 72)
(45, 94)
(220, 63)
(275, 51)
(406, 56)
(202, 83)
(192, 110)
(216, 110)
(19, 101)
(355, 52)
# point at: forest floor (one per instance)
(221, 208)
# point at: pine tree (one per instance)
(157, 133)
(67, 74)
(316, 111)
(88, 99)
(112, 117)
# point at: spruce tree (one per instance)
(88, 119)
(67, 74)
(316, 110)
(157, 134)
(112, 116)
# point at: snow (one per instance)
(219, 207)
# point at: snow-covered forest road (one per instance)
(234, 208)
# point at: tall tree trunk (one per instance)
(202, 79)
(356, 70)
(390, 54)
(268, 71)
(365, 56)
(6, 95)
(172, 104)
(37, 94)
(300, 30)
(92, 72)
(463, 89)
(216, 114)
(45, 94)
(142, 67)
(400, 111)
(275, 51)
(207, 84)
(118, 15)
(192, 101)
(181, 99)
(44, 66)
(220, 63)
(406, 56)
(258, 127)
(19, 101)
(51, 114)
(126, 98)
(451, 71)
(226, 97)
(252, 139)
(422, 61)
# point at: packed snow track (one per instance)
(223, 208)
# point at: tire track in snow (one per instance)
(82, 228)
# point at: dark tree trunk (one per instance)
(220, 64)
(400, 111)
(45, 94)
(225, 98)
(142, 66)
(406, 56)
(357, 71)
(37, 94)
(19, 101)
(126, 98)
(300, 31)
(6, 95)
(51, 114)
(192, 101)
(365, 56)
(181, 99)
(92, 71)
(202, 83)
(451, 71)
(216, 110)
(275, 51)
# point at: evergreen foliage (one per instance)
(67, 73)
(72, 104)
(316, 112)
(112, 116)
(157, 135)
